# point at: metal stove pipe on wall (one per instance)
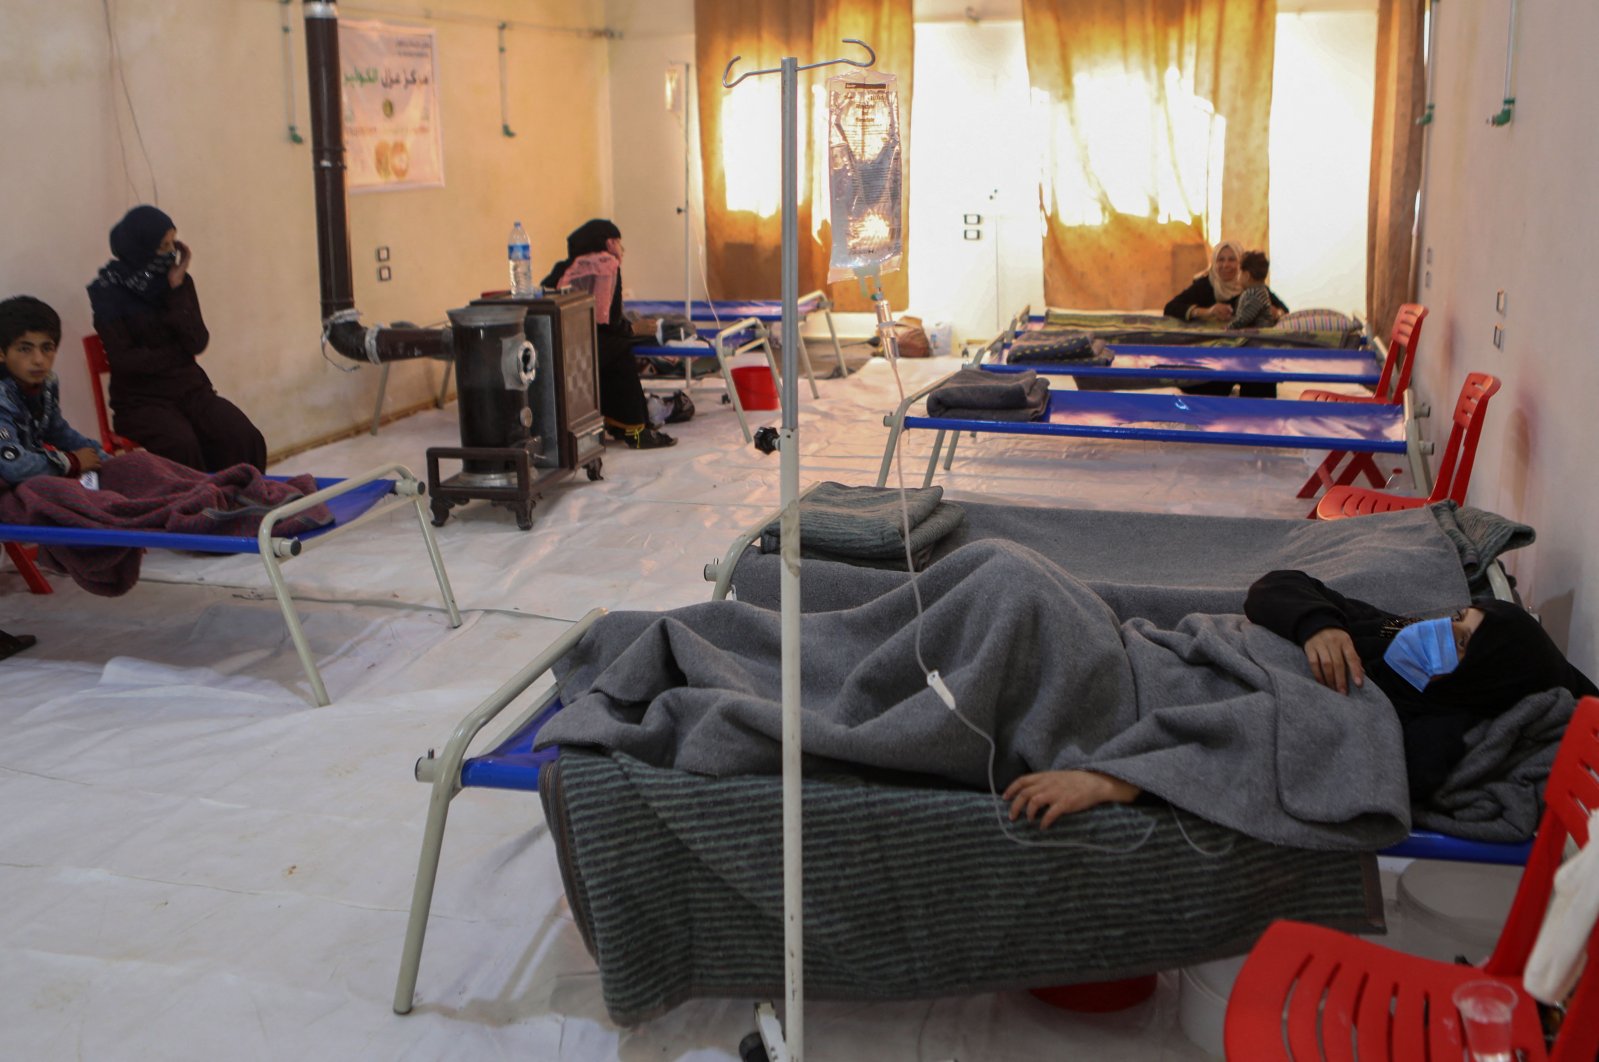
(341, 321)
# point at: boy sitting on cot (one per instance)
(35, 439)
(1254, 302)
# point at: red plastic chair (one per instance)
(1454, 468)
(1396, 369)
(99, 367)
(1307, 992)
(23, 557)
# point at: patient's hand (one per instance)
(1057, 793)
(88, 460)
(1333, 660)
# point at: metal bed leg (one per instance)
(427, 873)
(732, 393)
(377, 405)
(805, 356)
(417, 491)
(949, 455)
(319, 692)
(932, 462)
(444, 776)
(843, 365)
(444, 384)
(895, 427)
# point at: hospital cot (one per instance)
(746, 335)
(352, 501)
(1178, 418)
(766, 311)
(510, 762)
(1205, 910)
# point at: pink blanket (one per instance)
(142, 492)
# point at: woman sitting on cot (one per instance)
(1443, 676)
(1213, 297)
(594, 262)
(147, 314)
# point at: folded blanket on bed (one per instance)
(1053, 348)
(866, 524)
(972, 394)
(1495, 792)
(675, 882)
(142, 492)
(1218, 716)
(1480, 537)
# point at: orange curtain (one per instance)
(1155, 115)
(1396, 143)
(740, 145)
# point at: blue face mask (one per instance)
(1423, 651)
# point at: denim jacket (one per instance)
(36, 446)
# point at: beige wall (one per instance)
(207, 84)
(1512, 208)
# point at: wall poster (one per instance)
(391, 107)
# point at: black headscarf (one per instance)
(136, 277)
(1508, 658)
(587, 238)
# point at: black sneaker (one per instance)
(11, 644)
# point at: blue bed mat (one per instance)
(726, 309)
(1204, 419)
(345, 508)
(512, 764)
(1253, 365)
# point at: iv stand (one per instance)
(791, 1049)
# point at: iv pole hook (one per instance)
(871, 60)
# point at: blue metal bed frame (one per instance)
(1202, 419)
(742, 336)
(765, 311)
(351, 501)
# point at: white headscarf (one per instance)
(1224, 289)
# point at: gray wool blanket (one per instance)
(1164, 566)
(867, 524)
(675, 882)
(1480, 537)
(974, 394)
(1495, 792)
(1217, 716)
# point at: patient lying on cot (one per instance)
(1055, 701)
(42, 458)
(1443, 676)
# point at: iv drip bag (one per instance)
(865, 173)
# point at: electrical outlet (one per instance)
(1499, 337)
(1429, 256)
(1427, 280)
(383, 254)
(385, 274)
(1499, 302)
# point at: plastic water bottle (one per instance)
(519, 256)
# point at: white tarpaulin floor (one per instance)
(198, 865)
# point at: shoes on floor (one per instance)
(11, 644)
(682, 408)
(644, 438)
